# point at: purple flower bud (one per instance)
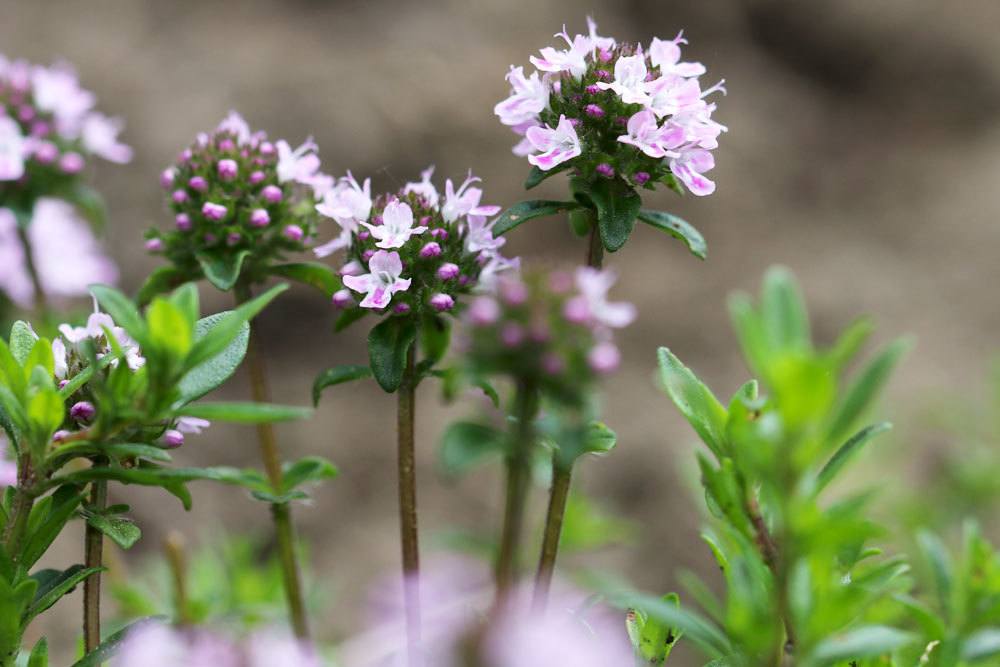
(401, 308)
(83, 411)
(214, 212)
(448, 271)
(576, 310)
(622, 120)
(575, 122)
(352, 268)
(604, 358)
(603, 74)
(440, 233)
(367, 255)
(512, 334)
(154, 245)
(71, 163)
(198, 184)
(228, 169)
(605, 55)
(594, 89)
(40, 129)
(464, 280)
(425, 220)
(442, 302)
(256, 177)
(47, 152)
(272, 194)
(343, 298)
(605, 170)
(641, 177)
(594, 111)
(484, 311)
(185, 155)
(167, 178)
(63, 383)
(233, 238)
(227, 145)
(179, 196)
(60, 435)
(267, 148)
(364, 235)
(172, 439)
(429, 250)
(293, 232)
(552, 364)
(260, 217)
(183, 221)
(25, 113)
(210, 238)
(557, 87)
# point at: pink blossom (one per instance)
(300, 165)
(8, 469)
(442, 302)
(670, 94)
(529, 97)
(227, 169)
(593, 285)
(465, 201)
(11, 150)
(572, 60)
(382, 282)
(597, 42)
(397, 226)
(690, 167)
(479, 235)
(214, 212)
(235, 124)
(555, 145)
(424, 188)
(349, 204)
(604, 358)
(448, 271)
(630, 79)
(494, 268)
(193, 425)
(71, 163)
(699, 128)
(275, 649)
(57, 90)
(100, 136)
(667, 55)
(293, 232)
(484, 311)
(646, 134)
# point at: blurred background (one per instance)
(863, 152)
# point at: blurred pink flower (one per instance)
(67, 257)
(153, 644)
(424, 187)
(593, 285)
(100, 137)
(300, 165)
(8, 469)
(11, 150)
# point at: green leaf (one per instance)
(313, 274)
(22, 339)
(848, 450)
(171, 479)
(169, 329)
(222, 270)
(160, 281)
(652, 639)
(529, 210)
(865, 388)
(40, 654)
(123, 531)
(107, 649)
(849, 342)
(53, 585)
(308, 469)
(981, 644)
(536, 175)
(41, 356)
(389, 345)
(863, 642)
(64, 503)
(696, 628)
(617, 207)
(121, 310)
(599, 438)
(435, 335)
(678, 228)
(695, 401)
(186, 299)
(338, 375)
(467, 444)
(783, 311)
(941, 570)
(245, 412)
(212, 372)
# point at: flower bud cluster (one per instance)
(608, 109)
(234, 193)
(48, 130)
(414, 251)
(553, 332)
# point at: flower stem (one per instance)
(41, 299)
(24, 500)
(280, 512)
(595, 248)
(93, 556)
(409, 538)
(559, 494)
(518, 477)
(177, 560)
(770, 553)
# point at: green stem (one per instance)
(518, 478)
(177, 560)
(41, 299)
(772, 558)
(595, 247)
(24, 500)
(409, 537)
(93, 556)
(559, 494)
(281, 514)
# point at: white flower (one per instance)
(667, 55)
(630, 79)
(100, 136)
(528, 98)
(424, 187)
(479, 235)
(593, 285)
(572, 60)
(397, 226)
(555, 145)
(490, 274)
(236, 125)
(11, 150)
(299, 165)
(57, 90)
(383, 281)
(193, 425)
(465, 201)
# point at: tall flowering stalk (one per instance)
(49, 130)
(619, 117)
(240, 204)
(408, 258)
(551, 336)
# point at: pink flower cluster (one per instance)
(8, 469)
(554, 332)
(153, 644)
(612, 109)
(417, 249)
(48, 124)
(66, 256)
(234, 191)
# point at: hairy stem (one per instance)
(24, 500)
(93, 556)
(769, 551)
(595, 248)
(409, 538)
(518, 478)
(41, 299)
(559, 494)
(281, 515)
